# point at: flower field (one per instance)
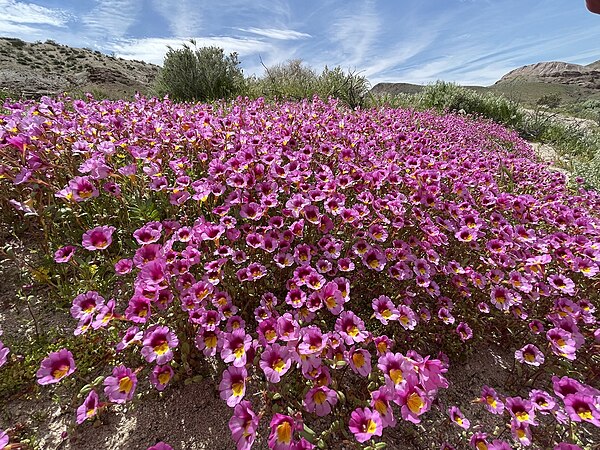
(332, 270)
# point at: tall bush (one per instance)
(200, 74)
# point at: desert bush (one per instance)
(199, 74)
(333, 267)
(551, 101)
(294, 80)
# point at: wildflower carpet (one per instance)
(345, 278)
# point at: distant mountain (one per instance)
(48, 68)
(556, 72)
(527, 84)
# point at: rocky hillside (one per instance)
(557, 73)
(35, 69)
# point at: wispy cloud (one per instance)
(185, 17)
(355, 32)
(273, 33)
(153, 50)
(17, 14)
(111, 19)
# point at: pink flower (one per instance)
(235, 347)
(120, 387)
(380, 402)
(160, 446)
(233, 385)
(55, 367)
(4, 351)
(320, 400)
(458, 417)
(158, 344)
(351, 328)
(365, 424)
(384, 309)
(360, 361)
(275, 361)
(530, 354)
(160, 376)
(583, 408)
(88, 408)
(521, 410)
(123, 266)
(98, 238)
(282, 432)
(243, 425)
(4, 439)
(64, 254)
(413, 403)
(85, 305)
(491, 400)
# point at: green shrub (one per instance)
(200, 74)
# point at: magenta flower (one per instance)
(88, 408)
(233, 385)
(320, 400)
(360, 361)
(464, 331)
(491, 400)
(365, 424)
(235, 347)
(380, 402)
(583, 408)
(351, 328)
(98, 238)
(123, 266)
(531, 355)
(55, 367)
(64, 254)
(521, 410)
(384, 309)
(132, 335)
(282, 432)
(81, 189)
(562, 284)
(120, 387)
(160, 376)
(160, 446)
(243, 425)
(413, 403)
(521, 432)
(396, 370)
(4, 439)
(275, 361)
(158, 344)
(542, 401)
(566, 446)
(458, 417)
(85, 305)
(4, 351)
(312, 342)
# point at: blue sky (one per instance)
(416, 41)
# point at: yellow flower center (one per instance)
(374, 264)
(381, 407)
(529, 357)
(520, 433)
(239, 352)
(358, 359)
(584, 413)
(238, 389)
(386, 313)
(270, 335)
(164, 377)
(415, 403)
(161, 348)
(371, 427)
(396, 376)
(279, 365)
(481, 446)
(352, 330)
(125, 385)
(319, 397)
(284, 432)
(60, 372)
(491, 401)
(330, 302)
(210, 341)
(522, 416)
